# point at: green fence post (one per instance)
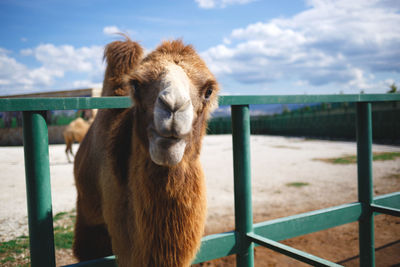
(242, 184)
(38, 190)
(365, 184)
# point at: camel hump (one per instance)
(79, 123)
(121, 57)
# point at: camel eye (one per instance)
(133, 84)
(135, 88)
(208, 93)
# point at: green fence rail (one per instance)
(247, 235)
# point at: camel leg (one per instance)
(69, 160)
(91, 241)
(68, 149)
(72, 153)
(66, 153)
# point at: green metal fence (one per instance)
(335, 121)
(246, 235)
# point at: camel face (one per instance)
(172, 118)
(173, 96)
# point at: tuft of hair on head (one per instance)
(122, 57)
(175, 47)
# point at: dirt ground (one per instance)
(277, 162)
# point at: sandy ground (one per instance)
(276, 162)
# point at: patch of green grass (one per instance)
(297, 184)
(345, 160)
(386, 155)
(17, 245)
(63, 230)
(16, 252)
(352, 159)
(63, 238)
(59, 216)
(10, 250)
(393, 176)
(341, 160)
(7, 259)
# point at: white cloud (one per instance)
(333, 42)
(114, 31)
(56, 62)
(111, 30)
(26, 52)
(69, 58)
(14, 74)
(207, 4)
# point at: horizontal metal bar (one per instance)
(289, 99)
(216, 246)
(309, 222)
(69, 103)
(391, 200)
(63, 103)
(385, 210)
(314, 221)
(289, 251)
(109, 261)
(212, 247)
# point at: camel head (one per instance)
(173, 93)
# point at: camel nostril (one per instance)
(165, 102)
(173, 103)
(183, 106)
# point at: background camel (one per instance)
(141, 188)
(75, 132)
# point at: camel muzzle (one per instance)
(172, 120)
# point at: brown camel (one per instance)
(141, 188)
(74, 132)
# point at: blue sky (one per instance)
(252, 46)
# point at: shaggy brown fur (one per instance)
(146, 214)
(123, 57)
(74, 132)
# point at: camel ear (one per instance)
(122, 57)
